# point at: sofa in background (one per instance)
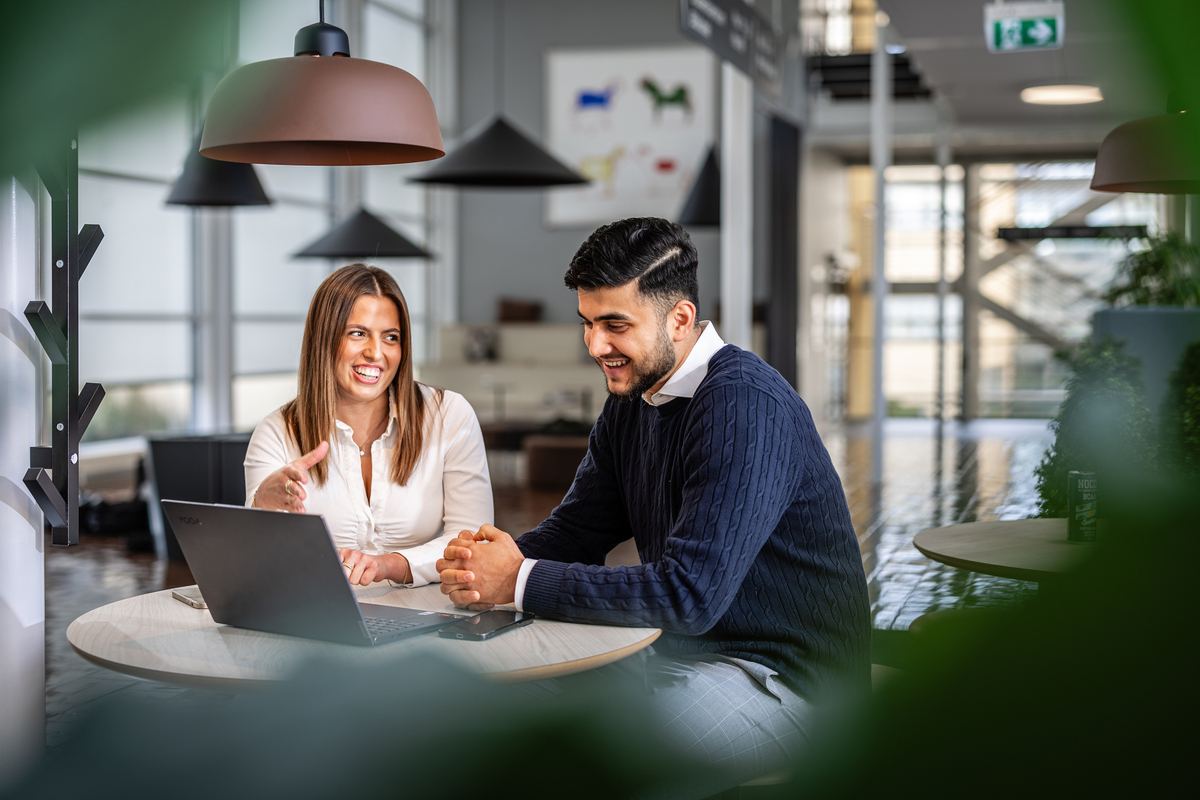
(541, 371)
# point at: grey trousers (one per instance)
(730, 714)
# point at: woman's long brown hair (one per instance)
(310, 417)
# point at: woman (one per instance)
(392, 465)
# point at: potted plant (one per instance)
(1103, 425)
(1155, 310)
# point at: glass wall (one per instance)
(913, 240)
(1055, 285)
(1051, 287)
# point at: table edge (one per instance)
(564, 668)
(1027, 574)
(239, 685)
(996, 571)
(190, 681)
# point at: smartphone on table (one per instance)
(190, 595)
(486, 625)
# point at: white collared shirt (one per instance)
(686, 380)
(449, 491)
(683, 383)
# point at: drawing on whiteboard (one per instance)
(634, 121)
(595, 99)
(663, 176)
(677, 97)
(593, 107)
(602, 169)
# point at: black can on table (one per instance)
(1082, 502)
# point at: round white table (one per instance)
(1024, 549)
(156, 637)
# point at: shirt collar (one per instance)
(692, 371)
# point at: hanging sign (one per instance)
(738, 34)
(1013, 27)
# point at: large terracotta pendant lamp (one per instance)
(321, 107)
(496, 154)
(702, 209)
(1158, 155)
(363, 235)
(205, 182)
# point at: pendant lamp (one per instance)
(500, 155)
(703, 205)
(1158, 155)
(363, 235)
(206, 182)
(496, 154)
(321, 107)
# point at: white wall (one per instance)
(22, 574)
(823, 219)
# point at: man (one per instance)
(711, 462)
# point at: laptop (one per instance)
(280, 573)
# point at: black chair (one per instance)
(202, 469)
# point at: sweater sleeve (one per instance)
(466, 486)
(741, 467)
(591, 519)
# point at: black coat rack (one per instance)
(57, 328)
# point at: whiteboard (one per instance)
(638, 122)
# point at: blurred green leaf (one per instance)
(1179, 432)
(67, 62)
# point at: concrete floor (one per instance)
(979, 471)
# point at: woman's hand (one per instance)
(363, 570)
(283, 489)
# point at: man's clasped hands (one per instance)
(479, 570)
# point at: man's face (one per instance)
(628, 337)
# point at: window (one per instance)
(135, 327)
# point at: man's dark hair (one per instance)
(657, 253)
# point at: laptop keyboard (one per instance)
(378, 626)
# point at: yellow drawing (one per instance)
(602, 169)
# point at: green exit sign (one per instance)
(1013, 27)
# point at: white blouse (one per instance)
(449, 491)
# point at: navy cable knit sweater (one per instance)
(741, 523)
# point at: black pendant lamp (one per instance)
(703, 205)
(206, 182)
(321, 107)
(496, 154)
(500, 156)
(363, 235)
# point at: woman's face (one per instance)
(369, 353)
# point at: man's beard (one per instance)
(658, 364)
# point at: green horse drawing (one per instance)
(677, 97)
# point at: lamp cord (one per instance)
(322, 10)
(498, 48)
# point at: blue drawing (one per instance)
(595, 99)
